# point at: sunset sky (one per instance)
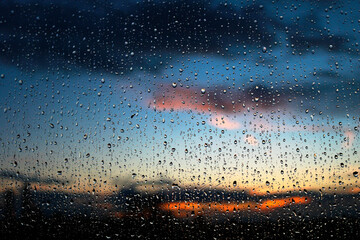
(261, 112)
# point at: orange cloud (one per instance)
(188, 209)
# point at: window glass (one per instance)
(179, 119)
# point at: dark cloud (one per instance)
(107, 37)
(115, 37)
(16, 176)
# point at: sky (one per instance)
(248, 95)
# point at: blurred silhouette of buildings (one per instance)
(30, 212)
(9, 205)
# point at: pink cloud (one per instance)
(224, 122)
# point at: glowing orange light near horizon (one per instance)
(187, 209)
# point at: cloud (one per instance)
(124, 35)
(107, 37)
(30, 179)
(224, 122)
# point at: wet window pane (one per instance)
(179, 119)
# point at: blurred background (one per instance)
(221, 119)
